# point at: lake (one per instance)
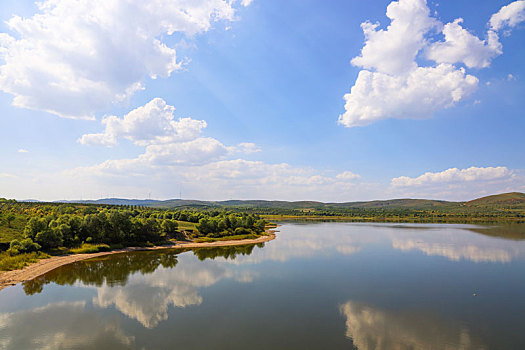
(316, 286)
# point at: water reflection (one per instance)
(414, 284)
(454, 242)
(155, 285)
(456, 251)
(228, 253)
(146, 298)
(114, 270)
(63, 325)
(373, 328)
(507, 231)
(111, 270)
(457, 245)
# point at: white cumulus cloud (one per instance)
(167, 141)
(152, 123)
(74, 58)
(394, 50)
(462, 46)
(416, 95)
(393, 84)
(199, 151)
(508, 16)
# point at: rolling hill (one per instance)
(513, 200)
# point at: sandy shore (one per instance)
(9, 278)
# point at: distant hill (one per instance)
(115, 201)
(394, 203)
(514, 200)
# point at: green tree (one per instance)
(10, 218)
(169, 227)
(49, 238)
(34, 226)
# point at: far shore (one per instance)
(10, 278)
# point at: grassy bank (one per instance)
(90, 248)
(8, 262)
(226, 238)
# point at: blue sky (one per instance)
(92, 94)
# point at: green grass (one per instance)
(8, 263)
(185, 225)
(87, 248)
(226, 238)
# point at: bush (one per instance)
(227, 238)
(8, 262)
(25, 246)
(28, 246)
(87, 248)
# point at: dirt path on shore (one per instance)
(9, 278)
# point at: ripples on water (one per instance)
(317, 286)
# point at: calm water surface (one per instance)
(317, 286)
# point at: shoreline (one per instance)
(11, 278)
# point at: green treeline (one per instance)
(229, 225)
(111, 226)
(436, 215)
(27, 228)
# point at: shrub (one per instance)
(87, 248)
(28, 246)
(25, 246)
(227, 238)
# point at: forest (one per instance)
(29, 231)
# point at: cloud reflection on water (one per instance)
(454, 242)
(146, 298)
(72, 326)
(372, 328)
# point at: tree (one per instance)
(49, 238)
(169, 227)
(9, 218)
(34, 226)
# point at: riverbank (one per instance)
(10, 278)
(398, 219)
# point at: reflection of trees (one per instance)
(373, 328)
(111, 269)
(509, 231)
(114, 270)
(224, 252)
